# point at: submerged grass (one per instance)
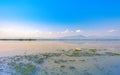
(29, 64)
(25, 69)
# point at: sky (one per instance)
(59, 18)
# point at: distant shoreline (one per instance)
(59, 39)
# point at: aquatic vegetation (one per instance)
(82, 60)
(87, 54)
(112, 54)
(90, 52)
(62, 66)
(39, 61)
(51, 54)
(24, 69)
(93, 50)
(60, 63)
(72, 60)
(46, 54)
(76, 52)
(73, 53)
(78, 49)
(72, 68)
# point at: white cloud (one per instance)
(49, 32)
(112, 30)
(66, 31)
(78, 31)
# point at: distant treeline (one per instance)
(18, 39)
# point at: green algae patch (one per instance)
(24, 69)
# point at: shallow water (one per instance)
(12, 48)
(85, 62)
(72, 58)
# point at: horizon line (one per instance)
(54, 39)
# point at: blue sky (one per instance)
(50, 18)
